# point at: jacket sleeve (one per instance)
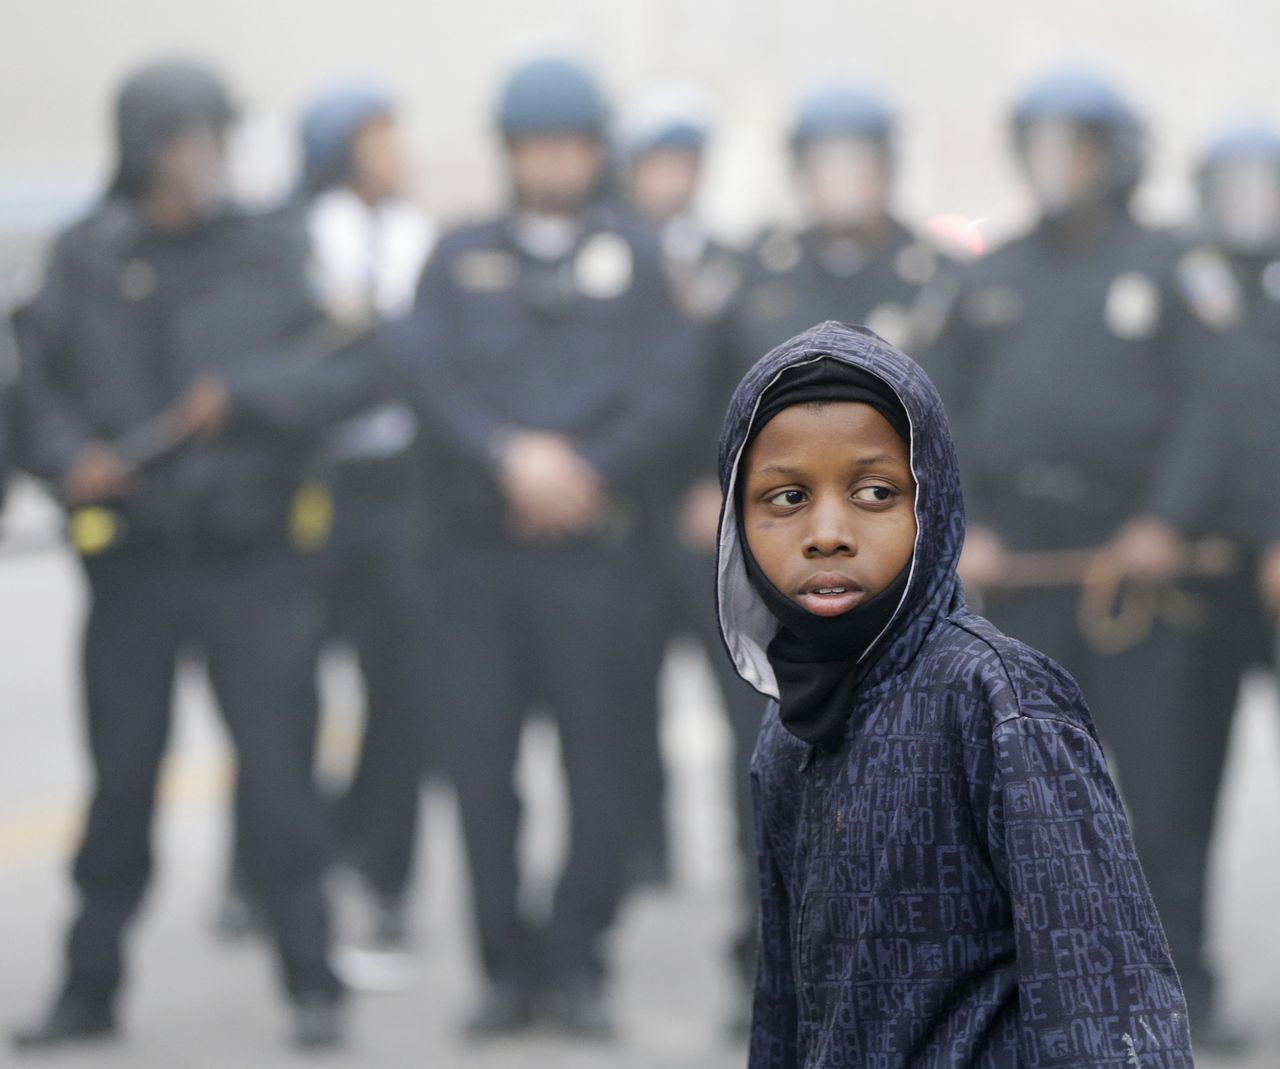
(308, 380)
(774, 1015)
(1180, 480)
(1219, 478)
(51, 430)
(1096, 982)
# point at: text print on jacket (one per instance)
(955, 884)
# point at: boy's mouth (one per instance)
(830, 594)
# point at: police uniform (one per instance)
(1069, 363)
(587, 344)
(792, 277)
(365, 261)
(1235, 274)
(8, 372)
(198, 557)
(704, 274)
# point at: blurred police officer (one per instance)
(1070, 364)
(662, 142)
(550, 368)
(852, 259)
(171, 327)
(8, 397)
(1239, 185)
(1236, 453)
(368, 243)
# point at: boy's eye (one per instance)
(877, 495)
(787, 498)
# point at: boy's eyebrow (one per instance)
(861, 462)
(879, 458)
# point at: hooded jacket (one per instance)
(954, 883)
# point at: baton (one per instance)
(1209, 558)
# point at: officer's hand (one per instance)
(202, 411)
(700, 516)
(551, 490)
(1148, 551)
(984, 561)
(98, 474)
(1269, 579)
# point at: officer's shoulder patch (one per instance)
(1209, 287)
(604, 266)
(485, 270)
(916, 263)
(779, 251)
(1132, 308)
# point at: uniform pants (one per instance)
(564, 613)
(370, 578)
(251, 616)
(695, 573)
(655, 621)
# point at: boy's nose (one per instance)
(829, 532)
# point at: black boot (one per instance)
(238, 917)
(73, 1019)
(318, 1022)
(390, 923)
(581, 1010)
(505, 1009)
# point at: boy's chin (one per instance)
(826, 605)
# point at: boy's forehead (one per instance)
(829, 424)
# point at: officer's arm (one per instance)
(1195, 465)
(314, 370)
(51, 431)
(309, 379)
(1195, 353)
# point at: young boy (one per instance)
(947, 875)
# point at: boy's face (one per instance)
(828, 504)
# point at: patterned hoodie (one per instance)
(954, 884)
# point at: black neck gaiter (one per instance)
(816, 658)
